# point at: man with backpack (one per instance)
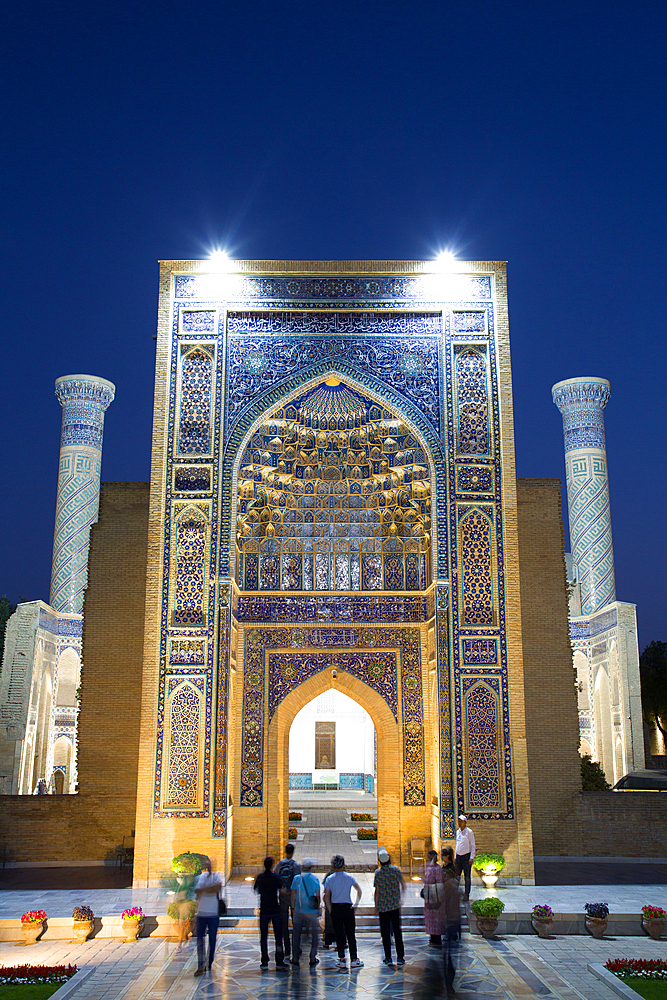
(306, 910)
(286, 870)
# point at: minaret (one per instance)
(84, 399)
(581, 402)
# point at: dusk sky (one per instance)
(529, 133)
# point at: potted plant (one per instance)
(32, 925)
(292, 833)
(366, 833)
(189, 863)
(133, 923)
(488, 865)
(82, 923)
(542, 919)
(486, 913)
(182, 912)
(653, 921)
(596, 918)
(296, 817)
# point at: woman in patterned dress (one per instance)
(434, 914)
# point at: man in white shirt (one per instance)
(465, 852)
(208, 889)
(338, 900)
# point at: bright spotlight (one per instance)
(219, 260)
(445, 261)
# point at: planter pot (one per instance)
(82, 930)
(31, 931)
(596, 926)
(542, 927)
(489, 880)
(132, 929)
(487, 926)
(654, 928)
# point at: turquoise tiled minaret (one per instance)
(581, 402)
(84, 399)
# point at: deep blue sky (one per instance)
(524, 132)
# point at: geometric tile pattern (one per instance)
(376, 656)
(581, 403)
(84, 401)
(431, 363)
(481, 726)
(184, 710)
(476, 566)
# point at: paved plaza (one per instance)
(513, 967)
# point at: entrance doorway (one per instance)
(332, 778)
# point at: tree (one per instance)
(592, 776)
(653, 673)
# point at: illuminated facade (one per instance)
(333, 505)
(603, 630)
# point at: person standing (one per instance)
(208, 890)
(306, 910)
(338, 899)
(286, 870)
(452, 935)
(465, 852)
(389, 886)
(434, 900)
(269, 887)
(447, 859)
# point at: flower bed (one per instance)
(295, 816)
(15, 974)
(638, 968)
(362, 818)
(363, 833)
(293, 833)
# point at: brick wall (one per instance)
(615, 824)
(552, 727)
(89, 826)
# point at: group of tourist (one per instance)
(292, 888)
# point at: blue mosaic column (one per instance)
(84, 399)
(581, 402)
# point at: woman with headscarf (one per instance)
(434, 900)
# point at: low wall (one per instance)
(623, 823)
(64, 828)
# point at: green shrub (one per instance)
(490, 864)
(489, 907)
(363, 833)
(188, 863)
(293, 833)
(174, 909)
(362, 818)
(295, 816)
(592, 776)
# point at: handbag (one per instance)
(432, 897)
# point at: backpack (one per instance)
(286, 872)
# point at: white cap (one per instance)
(383, 855)
(462, 817)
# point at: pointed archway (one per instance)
(389, 776)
